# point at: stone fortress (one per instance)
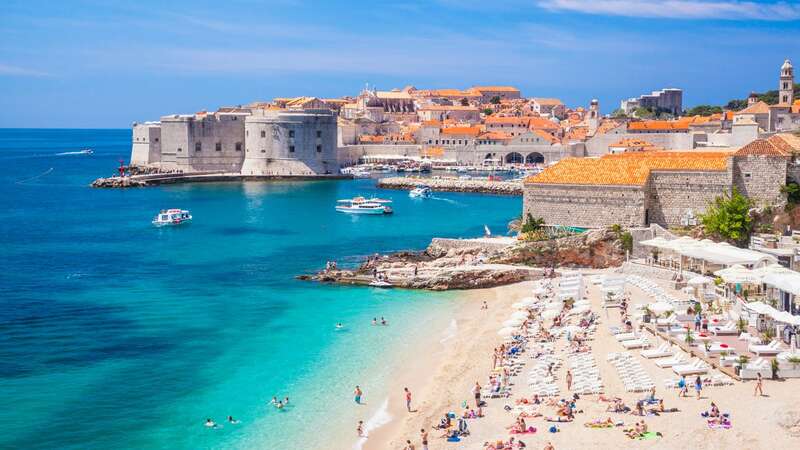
(243, 141)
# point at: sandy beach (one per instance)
(441, 381)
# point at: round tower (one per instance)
(786, 91)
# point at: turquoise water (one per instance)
(115, 334)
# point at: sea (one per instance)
(117, 334)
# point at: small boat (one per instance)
(172, 217)
(361, 205)
(420, 192)
(86, 151)
(380, 284)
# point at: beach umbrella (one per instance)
(550, 314)
(522, 315)
(699, 281)
(737, 273)
(512, 323)
(508, 331)
(660, 307)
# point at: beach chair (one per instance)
(773, 348)
(661, 352)
(636, 343)
(625, 337)
(727, 329)
(696, 367)
(666, 363)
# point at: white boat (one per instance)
(361, 205)
(356, 172)
(172, 217)
(420, 192)
(380, 284)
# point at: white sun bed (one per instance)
(669, 362)
(696, 367)
(636, 343)
(625, 337)
(727, 329)
(773, 348)
(661, 352)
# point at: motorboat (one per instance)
(420, 192)
(170, 217)
(356, 172)
(361, 205)
(380, 284)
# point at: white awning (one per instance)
(787, 282)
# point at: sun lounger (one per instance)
(625, 337)
(727, 329)
(718, 348)
(661, 352)
(773, 348)
(696, 367)
(636, 343)
(669, 362)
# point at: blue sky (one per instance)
(106, 64)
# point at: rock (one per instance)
(453, 185)
(118, 182)
(596, 249)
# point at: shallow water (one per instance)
(115, 334)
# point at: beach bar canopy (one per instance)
(720, 253)
(786, 282)
(738, 273)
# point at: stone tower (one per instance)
(752, 99)
(786, 91)
(594, 116)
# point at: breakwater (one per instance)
(200, 177)
(453, 185)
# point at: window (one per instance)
(234, 118)
(156, 139)
(263, 151)
(319, 149)
(198, 146)
(263, 134)
(291, 149)
(238, 146)
(747, 175)
(319, 134)
(218, 146)
(246, 133)
(180, 149)
(291, 133)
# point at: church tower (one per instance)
(594, 116)
(786, 91)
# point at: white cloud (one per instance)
(9, 70)
(680, 9)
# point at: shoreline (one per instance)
(185, 178)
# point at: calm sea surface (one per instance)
(115, 334)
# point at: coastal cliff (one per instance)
(480, 263)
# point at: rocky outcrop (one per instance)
(453, 185)
(118, 182)
(594, 249)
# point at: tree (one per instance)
(488, 111)
(643, 113)
(792, 191)
(532, 224)
(728, 217)
(736, 105)
(703, 110)
(619, 114)
(464, 102)
(769, 97)
(495, 100)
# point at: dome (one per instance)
(786, 65)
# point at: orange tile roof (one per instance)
(658, 125)
(576, 134)
(540, 123)
(370, 138)
(519, 121)
(796, 107)
(756, 108)
(792, 141)
(764, 147)
(432, 123)
(495, 136)
(548, 101)
(495, 88)
(606, 126)
(470, 131)
(448, 108)
(545, 135)
(627, 169)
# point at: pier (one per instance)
(201, 177)
(453, 185)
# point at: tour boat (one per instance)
(380, 284)
(361, 205)
(172, 217)
(420, 192)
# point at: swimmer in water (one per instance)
(210, 423)
(286, 401)
(232, 420)
(383, 321)
(339, 326)
(374, 321)
(274, 400)
(279, 405)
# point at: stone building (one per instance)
(487, 93)
(670, 100)
(551, 107)
(259, 141)
(662, 187)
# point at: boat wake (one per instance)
(379, 419)
(36, 177)
(80, 152)
(450, 332)
(447, 200)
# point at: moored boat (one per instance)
(172, 217)
(420, 192)
(361, 205)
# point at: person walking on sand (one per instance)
(569, 380)
(759, 386)
(357, 394)
(549, 446)
(698, 386)
(360, 428)
(476, 391)
(408, 399)
(409, 445)
(682, 385)
(424, 437)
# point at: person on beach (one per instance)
(759, 386)
(485, 305)
(357, 394)
(415, 271)
(549, 446)
(698, 386)
(360, 428)
(408, 399)
(569, 380)
(476, 391)
(423, 435)
(682, 385)
(409, 445)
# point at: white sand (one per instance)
(442, 380)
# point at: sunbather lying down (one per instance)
(558, 419)
(599, 423)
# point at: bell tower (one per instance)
(786, 89)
